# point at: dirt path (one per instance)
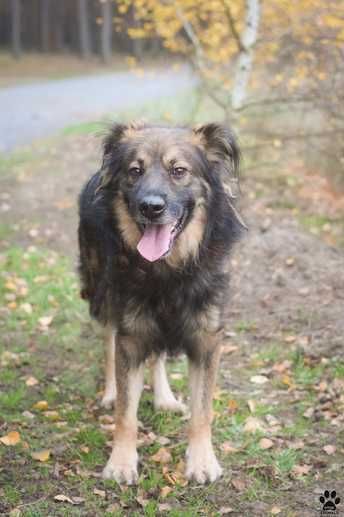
(282, 369)
(33, 111)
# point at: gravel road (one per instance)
(33, 111)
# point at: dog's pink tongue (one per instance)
(155, 241)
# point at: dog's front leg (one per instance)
(164, 398)
(122, 464)
(110, 377)
(201, 462)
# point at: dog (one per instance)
(157, 224)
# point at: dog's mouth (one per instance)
(158, 239)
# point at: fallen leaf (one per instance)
(282, 367)
(142, 501)
(253, 424)
(290, 261)
(52, 415)
(266, 443)
(31, 381)
(228, 447)
(42, 405)
(329, 449)
(101, 493)
(10, 439)
(224, 510)
(26, 307)
(259, 379)
(28, 414)
(176, 376)
(164, 507)
(309, 412)
(232, 405)
(290, 339)
(287, 380)
(162, 456)
(239, 484)
(45, 321)
(301, 470)
(252, 405)
(63, 498)
(163, 440)
(42, 455)
(298, 444)
(16, 512)
(85, 449)
(275, 510)
(165, 490)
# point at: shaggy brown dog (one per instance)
(157, 224)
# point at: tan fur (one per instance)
(127, 225)
(211, 319)
(186, 245)
(188, 241)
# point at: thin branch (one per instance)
(190, 32)
(232, 25)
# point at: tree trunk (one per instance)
(84, 31)
(244, 63)
(16, 28)
(59, 21)
(106, 34)
(45, 25)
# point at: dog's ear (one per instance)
(110, 151)
(111, 148)
(222, 151)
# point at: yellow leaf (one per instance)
(12, 438)
(52, 415)
(266, 443)
(42, 455)
(165, 491)
(232, 405)
(31, 381)
(45, 321)
(162, 456)
(42, 405)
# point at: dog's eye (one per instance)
(135, 171)
(179, 172)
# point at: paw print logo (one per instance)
(329, 502)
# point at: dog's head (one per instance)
(163, 179)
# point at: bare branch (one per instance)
(232, 25)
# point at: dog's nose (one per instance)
(152, 206)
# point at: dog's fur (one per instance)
(171, 305)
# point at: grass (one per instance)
(67, 368)
(64, 355)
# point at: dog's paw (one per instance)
(122, 467)
(202, 465)
(169, 404)
(108, 400)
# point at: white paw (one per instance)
(201, 464)
(170, 404)
(122, 467)
(108, 400)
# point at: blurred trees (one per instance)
(84, 27)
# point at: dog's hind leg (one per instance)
(202, 465)
(164, 398)
(109, 396)
(122, 464)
